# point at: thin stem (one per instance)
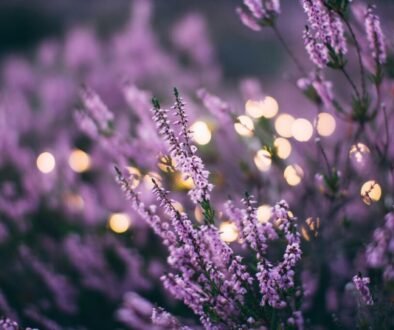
(349, 79)
(358, 51)
(324, 156)
(288, 50)
(386, 126)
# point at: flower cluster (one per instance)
(324, 38)
(207, 275)
(380, 252)
(258, 13)
(181, 149)
(361, 284)
(376, 39)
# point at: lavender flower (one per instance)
(380, 252)
(259, 13)
(361, 284)
(317, 51)
(328, 41)
(97, 111)
(375, 36)
(183, 152)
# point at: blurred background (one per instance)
(75, 254)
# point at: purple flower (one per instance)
(317, 51)
(326, 32)
(375, 35)
(361, 284)
(181, 149)
(258, 13)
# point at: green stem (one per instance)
(288, 50)
(351, 82)
(358, 51)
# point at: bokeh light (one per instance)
(263, 160)
(268, 108)
(302, 129)
(79, 161)
(264, 213)
(325, 124)
(148, 179)
(283, 125)
(293, 174)
(371, 192)
(119, 222)
(244, 126)
(359, 154)
(228, 232)
(46, 162)
(134, 176)
(201, 133)
(182, 183)
(283, 147)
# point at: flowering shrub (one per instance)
(192, 249)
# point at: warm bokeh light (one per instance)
(79, 161)
(181, 183)
(244, 126)
(371, 192)
(263, 160)
(283, 125)
(198, 214)
(283, 147)
(74, 201)
(178, 206)
(254, 108)
(166, 164)
(264, 213)
(311, 228)
(119, 222)
(302, 129)
(201, 133)
(268, 108)
(228, 231)
(325, 124)
(148, 179)
(46, 162)
(293, 174)
(134, 176)
(358, 153)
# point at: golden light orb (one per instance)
(358, 153)
(134, 176)
(268, 108)
(302, 129)
(325, 124)
(293, 174)
(46, 162)
(178, 206)
(201, 133)
(148, 179)
(371, 192)
(119, 222)
(198, 214)
(263, 160)
(264, 213)
(283, 147)
(79, 161)
(283, 124)
(182, 183)
(228, 232)
(244, 126)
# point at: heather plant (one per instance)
(234, 259)
(59, 206)
(209, 277)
